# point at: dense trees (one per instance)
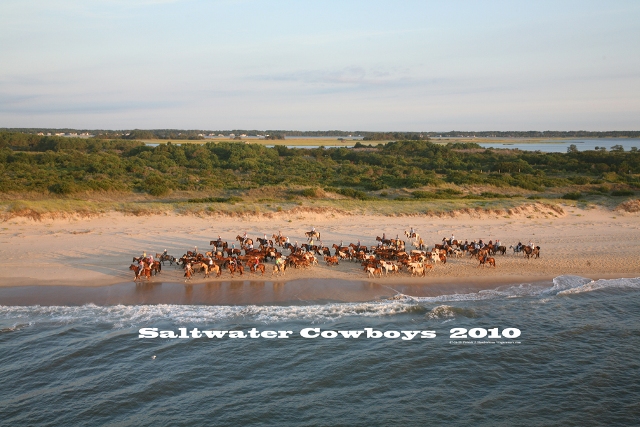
(68, 165)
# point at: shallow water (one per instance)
(582, 144)
(575, 362)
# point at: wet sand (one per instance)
(250, 292)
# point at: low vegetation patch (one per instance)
(576, 195)
(232, 199)
(622, 193)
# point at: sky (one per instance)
(320, 65)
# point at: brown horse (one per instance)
(141, 270)
(156, 267)
(311, 234)
(280, 240)
(258, 267)
(235, 267)
(528, 252)
(488, 260)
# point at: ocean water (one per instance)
(575, 362)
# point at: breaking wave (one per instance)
(123, 316)
(443, 312)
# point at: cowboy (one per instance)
(452, 239)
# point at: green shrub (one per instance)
(354, 194)
(580, 180)
(625, 193)
(310, 192)
(64, 187)
(572, 196)
(424, 195)
(490, 195)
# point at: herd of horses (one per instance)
(388, 256)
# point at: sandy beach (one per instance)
(89, 252)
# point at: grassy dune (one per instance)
(270, 202)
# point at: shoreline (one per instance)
(257, 292)
(79, 253)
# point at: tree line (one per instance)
(32, 163)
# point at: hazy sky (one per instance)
(319, 65)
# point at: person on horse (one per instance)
(452, 239)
